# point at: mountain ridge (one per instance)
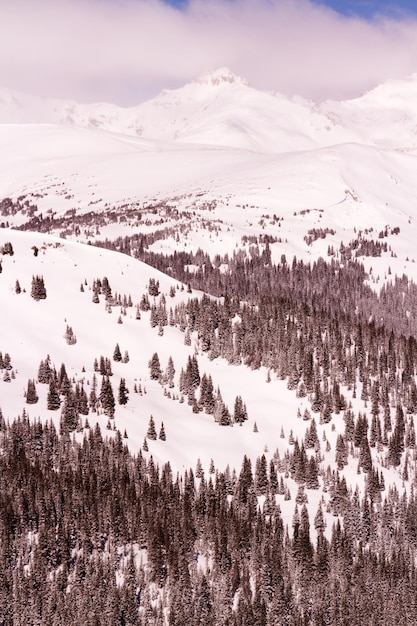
(222, 109)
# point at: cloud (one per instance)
(128, 50)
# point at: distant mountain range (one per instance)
(220, 108)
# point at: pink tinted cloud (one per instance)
(127, 50)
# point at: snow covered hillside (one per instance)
(37, 328)
(217, 161)
(215, 167)
(226, 282)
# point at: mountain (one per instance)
(385, 116)
(37, 329)
(222, 109)
(216, 109)
(216, 281)
(171, 193)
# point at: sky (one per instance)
(127, 51)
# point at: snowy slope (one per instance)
(215, 161)
(36, 329)
(32, 330)
(67, 171)
(386, 115)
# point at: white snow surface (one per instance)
(246, 162)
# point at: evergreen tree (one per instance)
(396, 442)
(117, 355)
(7, 362)
(209, 399)
(239, 414)
(53, 400)
(45, 371)
(341, 452)
(81, 399)
(261, 476)
(31, 395)
(69, 336)
(8, 248)
(38, 290)
(151, 432)
(69, 414)
(106, 289)
(64, 384)
(106, 397)
(162, 434)
(123, 392)
(170, 373)
(93, 394)
(153, 287)
(155, 367)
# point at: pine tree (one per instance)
(341, 453)
(396, 442)
(221, 412)
(365, 458)
(153, 287)
(45, 371)
(93, 394)
(311, 437)
(209, 399)
(106, 289)
(8, 248)
(69, 336)
(261, 476)
(240, 414)
(81, 399)
(7, 363)
(38, 290)
(53, 400)
(144, 304)
(117, 355)
(106, 397)
(162, 435)
(123, 392)
(69, 414)
(170, 373)
(199, 469)
(151, 432)
(155, 367)
(31, 395)
(64, 384)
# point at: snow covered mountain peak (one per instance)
(222, 75)
(401, 93)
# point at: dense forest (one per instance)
(91, 534)
(337, 285)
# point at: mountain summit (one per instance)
(222, 75)
(220, 108)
